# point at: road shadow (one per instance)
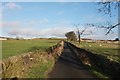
(69, 66)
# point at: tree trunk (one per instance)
(79, 37)
(119, 21)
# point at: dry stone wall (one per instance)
(56, 51)
(17, 66)
(98, 62)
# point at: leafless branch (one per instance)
(106, 6)
(83, 31)
(109, 27)
(112, 28)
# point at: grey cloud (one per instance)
(55, 31)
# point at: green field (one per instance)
(17, 47)
(110, 50)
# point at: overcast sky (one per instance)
(53, 19)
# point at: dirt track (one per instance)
(68, 66)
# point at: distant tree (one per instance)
(116, 39)
(71, 36)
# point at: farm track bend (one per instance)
(69, 66)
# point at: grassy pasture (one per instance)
(16, 47)
(106, 49)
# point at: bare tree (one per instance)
(78, 32)
(106, 7)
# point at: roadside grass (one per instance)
(100, 75)
(40, 70)
(111, 50)
(17, 47)
(35, 64)
(97, 73)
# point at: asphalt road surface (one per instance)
(68, 66)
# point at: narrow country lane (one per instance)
(68, 66)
